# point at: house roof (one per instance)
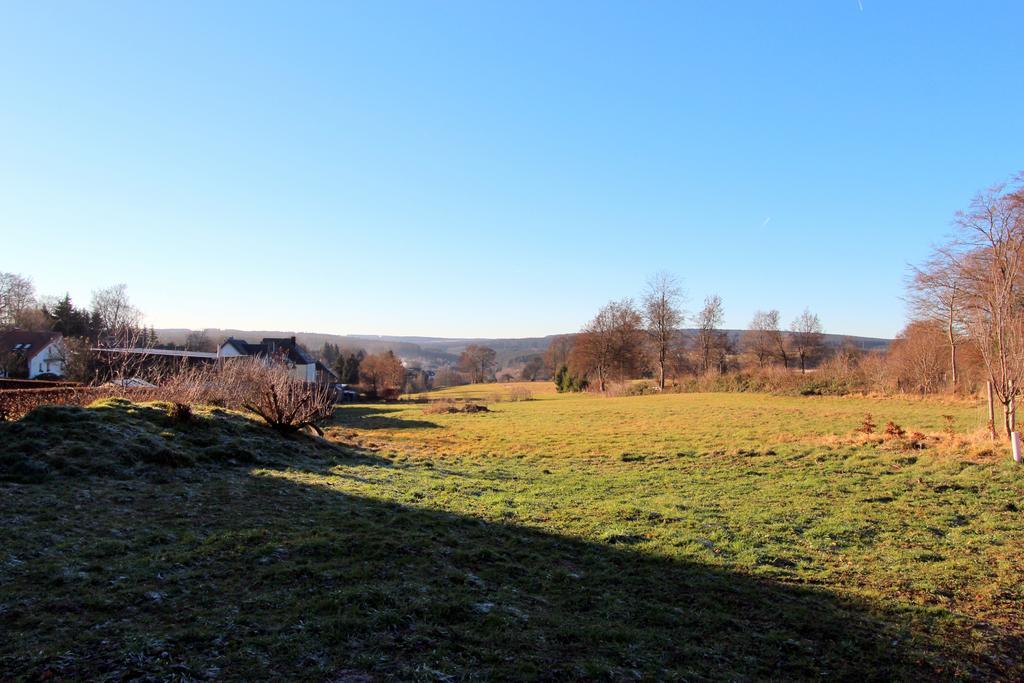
(242, 346)
(27, 342)
(272, 345)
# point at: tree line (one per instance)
(967, 300)
(109, 320)
(626, 341)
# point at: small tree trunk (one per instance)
(952, 359)
(991, 413)
(1015, 443)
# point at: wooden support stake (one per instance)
(1015, 441)
(991, 413)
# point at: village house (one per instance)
(25, 354)
(301, 364)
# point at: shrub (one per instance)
(867, 425)
(520, 394)
(285, 403)
(16, 403)
(565, 381)
(179, 413)
(451, 407)
(642, 388)
(894, 431)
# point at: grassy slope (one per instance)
(687, 536)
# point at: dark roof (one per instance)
(28, 342)
(290, 348)
(244, 347)
(285, 346)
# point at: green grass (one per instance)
(687, 536)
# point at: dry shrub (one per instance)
(520, 394)
(180, 413)
(613, 389)
(894, 431)
(448, 406)
(949, 430)
(867, 425)
(439, 407)
(16, 403)
(284, 402)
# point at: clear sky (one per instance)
(496, 169)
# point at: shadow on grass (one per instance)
(376, 417)
(274, 574)
(118, 438)
(472, 599)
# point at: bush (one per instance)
(894, 431)
(642, 388)
(565, 381)
(824, 381)
(867, 425)
(449, 406)
(16, 403)
(285, 403)
(520, 394)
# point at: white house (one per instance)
(30, 354)
(285, 350)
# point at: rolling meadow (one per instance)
(552, 536)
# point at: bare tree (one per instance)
(532, 369)
(936, 293)
(117, 317)
(610, 347)
(197, 340)
(679, 361)
(478, 361)
(807, 337)
(917, 357)
(447, 376)
(662, 317)
(764, 339)
(711, 341)
(556, 355)
(988, 259)
(17, 295)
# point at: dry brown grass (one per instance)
(976, 446)
(450, 406)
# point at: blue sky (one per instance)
(496, 169)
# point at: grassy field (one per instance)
(687, 536)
